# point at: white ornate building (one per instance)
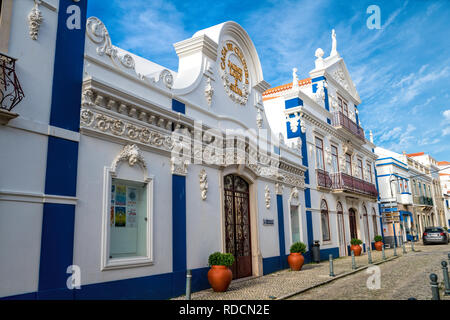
(319, 115)
(122, 174)
(444, 177)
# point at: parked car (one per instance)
(435, 235)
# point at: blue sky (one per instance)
(401, 71)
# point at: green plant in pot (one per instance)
(296, 259)
(220, 275)
(356, 246)
(378, 243)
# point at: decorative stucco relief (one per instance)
(35, 20)
(203, 181)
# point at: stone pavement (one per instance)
(285, 283)
(401, 279)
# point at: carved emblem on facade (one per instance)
(234, 73)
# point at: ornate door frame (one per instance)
(250, 178)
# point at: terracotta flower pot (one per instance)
(356, 248)
(295, 261)
(379, 245)
(219, 278)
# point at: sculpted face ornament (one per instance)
(234, 73)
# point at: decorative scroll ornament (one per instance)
(234, 73)
(320, 93)
(279, 188)
(209, 91)
(97, 33)
(339, 76)
(302, 126)
(294, 194)
(34, 20)
(203, 180)
(259, 119)
(293, 122)
(132, 155)
(179, 166)
(267, 196)
(167, 78)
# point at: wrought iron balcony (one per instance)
(11, 92)
(345, 182)
(341, 120)
(323, 179)
(421, 200)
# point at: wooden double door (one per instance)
(237, 225)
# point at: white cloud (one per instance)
(446, 114)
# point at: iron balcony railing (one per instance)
(341, 120)
(11, 92)
(422, 200)
(323, 179)
(343, 181)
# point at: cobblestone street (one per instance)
(402, 277)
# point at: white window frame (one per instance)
(108, 263)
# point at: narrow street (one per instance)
(401, 279)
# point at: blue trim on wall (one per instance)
(62, 162)
(391, 158)
(325, 253)
(161, 286)
(308, 198)
(56, 247)
(327, 103)
(292, 103)
(179, 223)
(281, 231)
(393, 163)
(178, 106)
(309, 228)
(68, 70)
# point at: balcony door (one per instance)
(352, 222)
(341, 230)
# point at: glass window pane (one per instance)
(128, 219)
(295, 224)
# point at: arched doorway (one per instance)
(237, 225)
(341, 230)
(352, 222)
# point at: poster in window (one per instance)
(121, 195)
(131, 207)
(120, 217)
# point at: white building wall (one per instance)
(24, 148)
(88, 214)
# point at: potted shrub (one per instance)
(220, 275)
(296, 259)
(378, 243)
(355, 246)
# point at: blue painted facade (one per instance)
(62, 158)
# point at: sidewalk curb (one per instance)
(335, 278)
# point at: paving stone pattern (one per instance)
(401, 278)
